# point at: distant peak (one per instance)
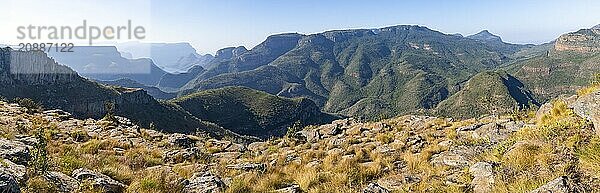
(485, 32)
(596, 27)
(485, 35)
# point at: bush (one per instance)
(40, 184)
(39, 153)
(596, 79)
(110, 112)
(31, 105)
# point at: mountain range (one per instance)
(171, 57)
(310, 79)
(365, 73)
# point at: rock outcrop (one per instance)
(98, 181)
(483, 179)
(582, 41)
(15, 151)
(8, 183)
(204, 183)
(558, 185)
(588, 107)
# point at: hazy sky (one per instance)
(213, 24)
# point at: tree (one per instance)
(110, 112)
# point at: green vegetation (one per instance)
(360, 73)
(39, 162)
(251, 112)
(487, 93)
(30, 104)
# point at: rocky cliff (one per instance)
(33, 68)
(36, 76)
(582, 41)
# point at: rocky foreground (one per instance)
(552, 150)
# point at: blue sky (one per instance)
(213, 24)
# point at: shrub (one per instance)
(30, 104)
(39, 184)
(589, 156)
(385, 137)
(596, 79)
(39, 153)
(110, 112)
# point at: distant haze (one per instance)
(209, 25)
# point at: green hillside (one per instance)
(364, 73)
(487, 93)
(251, 112)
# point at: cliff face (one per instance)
(582, 41)
(36, 76)
(33, 68)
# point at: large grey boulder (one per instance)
(247, 166)
(203, 183)
(258, 146)
(545, 109)
(18, 171)
(181, 140)
(98, 181)
(15, 151)
(483, 177)
(374, 188)
(181, 155)
(294, 188)
(588, 107)
(62, 182)
(310, 136)
(8, 183)
(558, 185)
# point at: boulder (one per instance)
(491, 131)
(416, 143)
(397, 182)
(469, 127)
(203, 183)
(26, 139)
(18, 171)
(558, 185)
(457, 158)
(374, 188)
(483, 177)
(543, 110)
(227, 155)
(181, 155)
(99, 181)
(311, 136)
(247, 166)
(330, 129)
(513, 126)
(258, 146)
(181, 140)
(62, 182)
(234, 147)
(588, 107)
(294, 188)
(15, 151)
(8, 182)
